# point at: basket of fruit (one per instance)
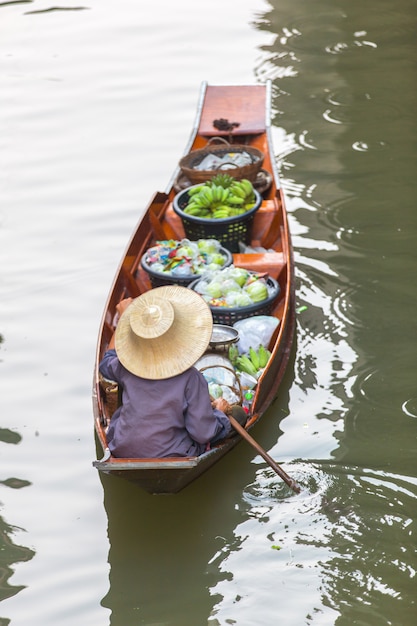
(222, 208)
(181, 262)
(235, 293)
(201, 165)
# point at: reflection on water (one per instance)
(159, 550)
(10, 553)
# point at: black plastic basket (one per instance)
(228, 316)
(228, 230)
(160, 279)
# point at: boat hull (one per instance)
(250, 105)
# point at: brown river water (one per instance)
(97, 103)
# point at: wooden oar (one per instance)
(290, 482)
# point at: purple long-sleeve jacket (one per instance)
(162, 418)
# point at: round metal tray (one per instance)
(223, 336)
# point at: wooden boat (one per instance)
(247, 111)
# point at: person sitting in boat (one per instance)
(166, 409)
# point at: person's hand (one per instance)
(221, 404)
(122, 306)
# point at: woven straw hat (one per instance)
(163, 332)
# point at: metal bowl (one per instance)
(223, 336)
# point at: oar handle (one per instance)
(264, 454)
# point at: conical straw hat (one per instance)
(163, 332)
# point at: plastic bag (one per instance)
(254, 331)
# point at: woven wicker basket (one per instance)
(235, 388)
(111, 394)
(189, 162)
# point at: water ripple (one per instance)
(261, 496)
(371, 385)
(343, 47)
(307, 33)
(348, 531)
(341, 216)
(409, 407)
(349, 107)
(343, 308)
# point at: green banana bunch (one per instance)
(253, 355)
(247, 186)
(253, 361)
(221, 197)
(197, 209)
(233, 211)
(259, 357)
(238, 191)
(223, 180)
(244, 364)
(217, 193)
(235, 200)
(195, 190)
(206, 195)
(263, 356)
(221, 212)
(242, 189)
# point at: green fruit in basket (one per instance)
(229, 285)
(202, 213)
(214, 290)
(237, 190)
(198, 201)
(247, 186)
(223, 180)
(225, 195)
(207, 195)
(257, 290)
(192, 191)
(239, 299)
(217, 259)
(234, 211)
(194, 204)
(221, 212)
(203, 198)
(239, 275)
(185, 251)
(196, 210)
(208, 246)
(233, 199)
(218, 193)
(243, 188)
